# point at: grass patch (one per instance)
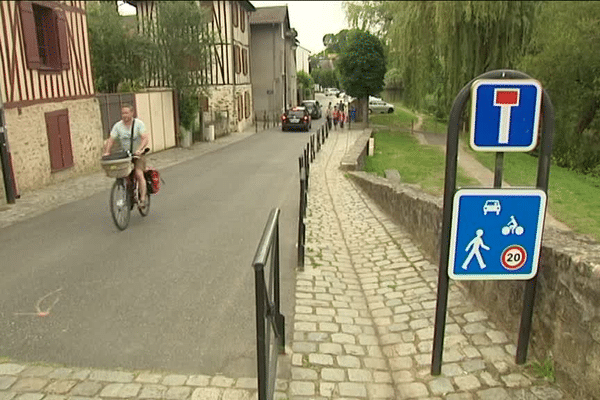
(543, 370)
(573, 198)
(396, 148)
(432, 124)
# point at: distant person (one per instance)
(328, 115)
(336, 116)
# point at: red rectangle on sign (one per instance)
(507, 97)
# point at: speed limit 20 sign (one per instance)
(496, 233)
(513, 257)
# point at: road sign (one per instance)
(496, 234)
(505, 114)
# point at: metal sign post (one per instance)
(506, 112)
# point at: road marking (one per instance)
(39, 312)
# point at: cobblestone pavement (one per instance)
(36, 202)
(365, 306)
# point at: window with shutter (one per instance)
(247, 103)
(245, 61)
(59, 139)
(242, 19)
(237, 59)
(45, 36)
(234, 13)
(240, 110)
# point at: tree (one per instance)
(182, 53)
(361, 66)
(305, 82)
(565, 58)
(116, 54)
(325, 77)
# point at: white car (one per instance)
(380, 106)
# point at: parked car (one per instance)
(296, 117)
(313, 107)
(331, 91)
(380, 106)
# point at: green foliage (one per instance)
(543, 370)
(183, 44)
(305, 80)
(565, 58)
(325, 77)
(335, 43)
(361, 65)
(117, 54)
(188, 110)
(393, 79)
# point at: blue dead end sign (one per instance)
(505, 114)
(496, 234)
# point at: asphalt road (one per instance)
(173, 292)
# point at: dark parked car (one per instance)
(296, 117)
(313, 107)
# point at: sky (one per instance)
(311, 19)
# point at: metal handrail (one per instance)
(268, 300)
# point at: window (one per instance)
(45, 36)
(245, 60)
(242, 19)
(59, 139)
(237, 58)
(234, 13)
(247, 103)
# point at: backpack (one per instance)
(152, 180)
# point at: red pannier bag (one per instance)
(153, 180)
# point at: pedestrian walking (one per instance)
(336, 117)
(328, 115)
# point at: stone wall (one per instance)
(566, 320)
(28, 140)
(222, 100)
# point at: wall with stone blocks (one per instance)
(566, 320)
(28, 141)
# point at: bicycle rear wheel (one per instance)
(120, 207)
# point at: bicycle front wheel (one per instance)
(146, 210)
(120, 208)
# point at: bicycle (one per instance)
(125, 193)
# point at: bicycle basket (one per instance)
(119, 168)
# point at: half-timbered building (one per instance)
(228, 77)
(52, 117)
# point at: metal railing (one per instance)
(269, 320)
(313, 146)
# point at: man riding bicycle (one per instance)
(122, 132)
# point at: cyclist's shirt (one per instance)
(122, 133)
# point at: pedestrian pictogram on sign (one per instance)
(496, 233)
(505, 114)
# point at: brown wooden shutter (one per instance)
(53, 131)
(63, 43)
(65, 139)
(234, 13)
(247, 103)
(59, 140)
(245, 62)
(30, 35)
